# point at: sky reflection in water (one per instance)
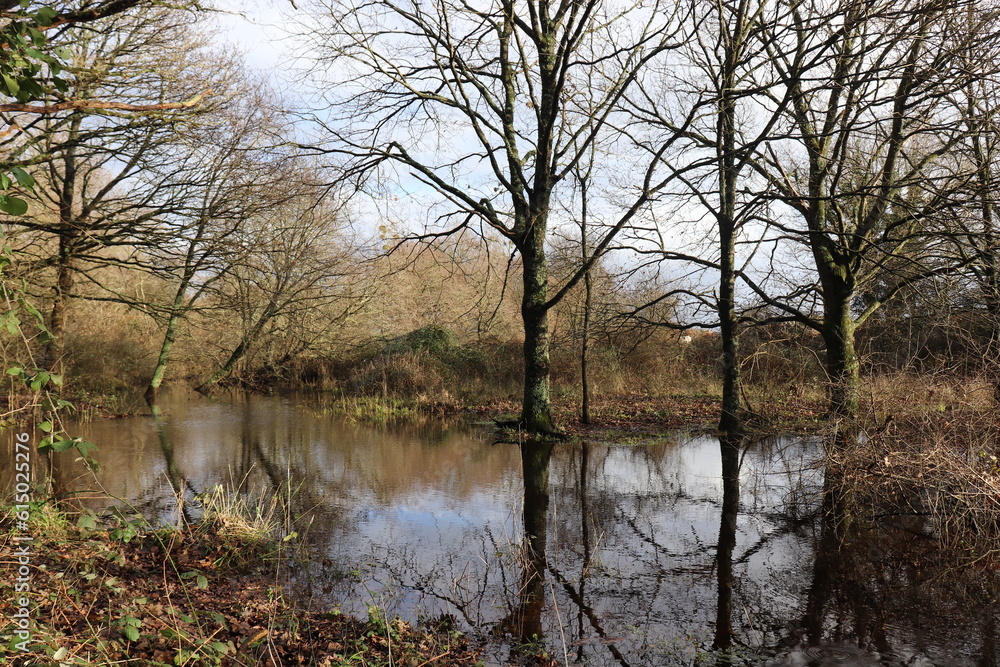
(433, 519)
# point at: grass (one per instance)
(208, 594)
(936, 472)
(249, 525)
(376, 410)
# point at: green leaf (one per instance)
(24, 179)
(40, 380)
(31, 309)
(13, 205)
(45, 15)
(61, 445)
(87, 522)
(83, 446)
(11, 84)
(132, 634)
(46, 426)
(11, 323)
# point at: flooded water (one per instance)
(651, 554)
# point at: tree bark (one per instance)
(173, 323)
(60, 301)
(536, 411)
(843, 366)
(585, 347)
(729, 421)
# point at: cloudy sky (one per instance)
(258, 28)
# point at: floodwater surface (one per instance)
(649, 554)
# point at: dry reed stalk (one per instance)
(943, 468)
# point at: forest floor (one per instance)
(171, 598)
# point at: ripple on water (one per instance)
(837, 655)
(827, 654)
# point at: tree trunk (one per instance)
(536, 412)
(842, 364)
(731, 30)
(248, 339)
(60, 301)
(585, 347)
(588, 304)
(161, 362)
(68, 230)
(729, 421)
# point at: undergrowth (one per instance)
(932, 472)
(124, 591)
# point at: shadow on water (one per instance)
(684, 551)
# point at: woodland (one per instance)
(793, 196)
(576, 217)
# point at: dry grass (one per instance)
(933, 472)
(902, 392)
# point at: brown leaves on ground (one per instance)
(623, 416)
(161, 600)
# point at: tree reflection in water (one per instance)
(730, 455)
(637, 547)
(525, 619)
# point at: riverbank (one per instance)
(132, 595)
(230, 576)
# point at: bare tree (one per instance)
(31, 70)
(295, 260)
(484, 112)
(232, 174)
(977, 227)
(722, 78)
(107, 179)
(865, 163)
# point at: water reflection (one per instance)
(178, 484)
(612, 555)
(730, 458)
(525, 619)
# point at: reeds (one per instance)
(936, 472)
